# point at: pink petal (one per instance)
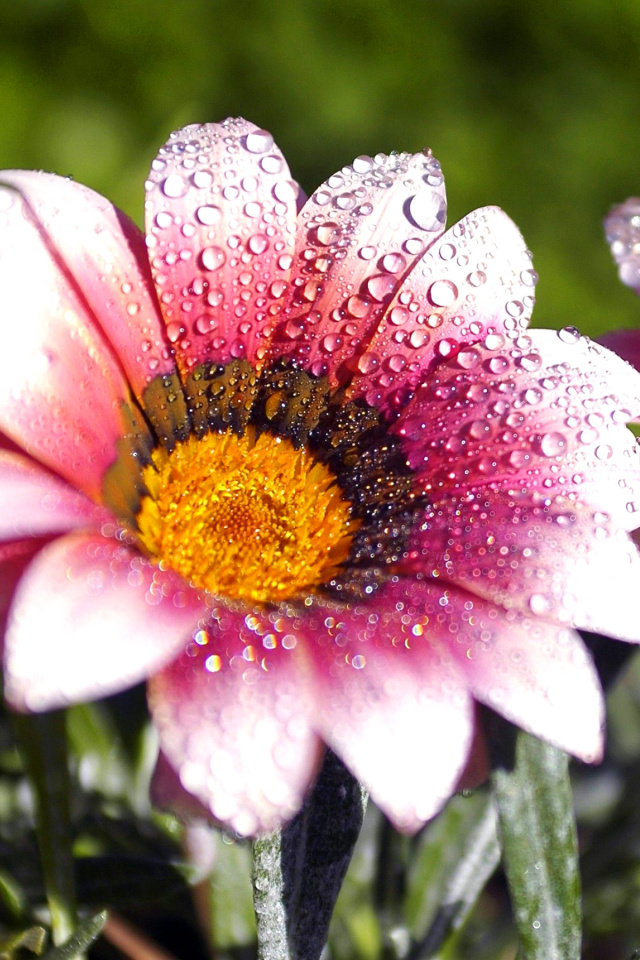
(537, 674)
(14, 558)
(358, 236)
(59, 383)
(474, 282)
(36, 503)
(168, 793)
(389, 699)
(105, 254)
(220, 215)
(622, 231)
(233, 719)
(91, 617)
(557, 560)
(550, 413)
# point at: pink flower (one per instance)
(306, 471)
(622, 230)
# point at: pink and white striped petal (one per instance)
(220, 222)
(233, 716)
(476, 282)
(558, 560)
(358, 236)
(389, 698)
(110, 269)
(60, 384)
(35, 503)
(549, 412)
(537, 674)
(90, 617)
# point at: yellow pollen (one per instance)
(245, 517)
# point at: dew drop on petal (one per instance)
(381, 286)
(427, 210)
(569, 334)
(553, 444)
(442, 293)
(208, 215)
(174, 186)
(259, 141)
(212, 258)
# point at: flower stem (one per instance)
(43, 745)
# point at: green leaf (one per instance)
(43, 745)
(232, 918)
(539, 843)
(33, 939)
(298, 872)
(85, 933)
(468, 847)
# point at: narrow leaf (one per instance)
(33, 939)
(299, 871)
(85, 933)
(539, 844)
(43, 745)
(479, 857)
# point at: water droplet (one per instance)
(477, 278)
(259, 141)
(258, 243)
(328, 233)
(569, 334)
(285, 191)
(358, 306)
(553, 444)
(393, 263)
(362, 164)
(368, 362)
(398, 316)
(479, 429)
(428, 210)
(212, 258)
(381, 286)
(442, 293)
(367, 253)
(468, 358)
(174, 186)
(514, 308)
(208, 215)
(540, 604)
(604, 451)
(331, 342)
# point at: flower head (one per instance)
(301, 464)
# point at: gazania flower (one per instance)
(306, 470)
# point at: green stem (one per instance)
(43, 745)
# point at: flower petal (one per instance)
(234, 722)
(537, 674)
(622, 231)
(389, 699)
(36, 503)
(105, 254)
(220, 216)
(558, 560)
(359, 234)
(474, 282)
(14, 558)
(89, 618)
(59, 382)
(550, 413)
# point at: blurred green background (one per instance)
(532, 106)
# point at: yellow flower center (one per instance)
(247, 517)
